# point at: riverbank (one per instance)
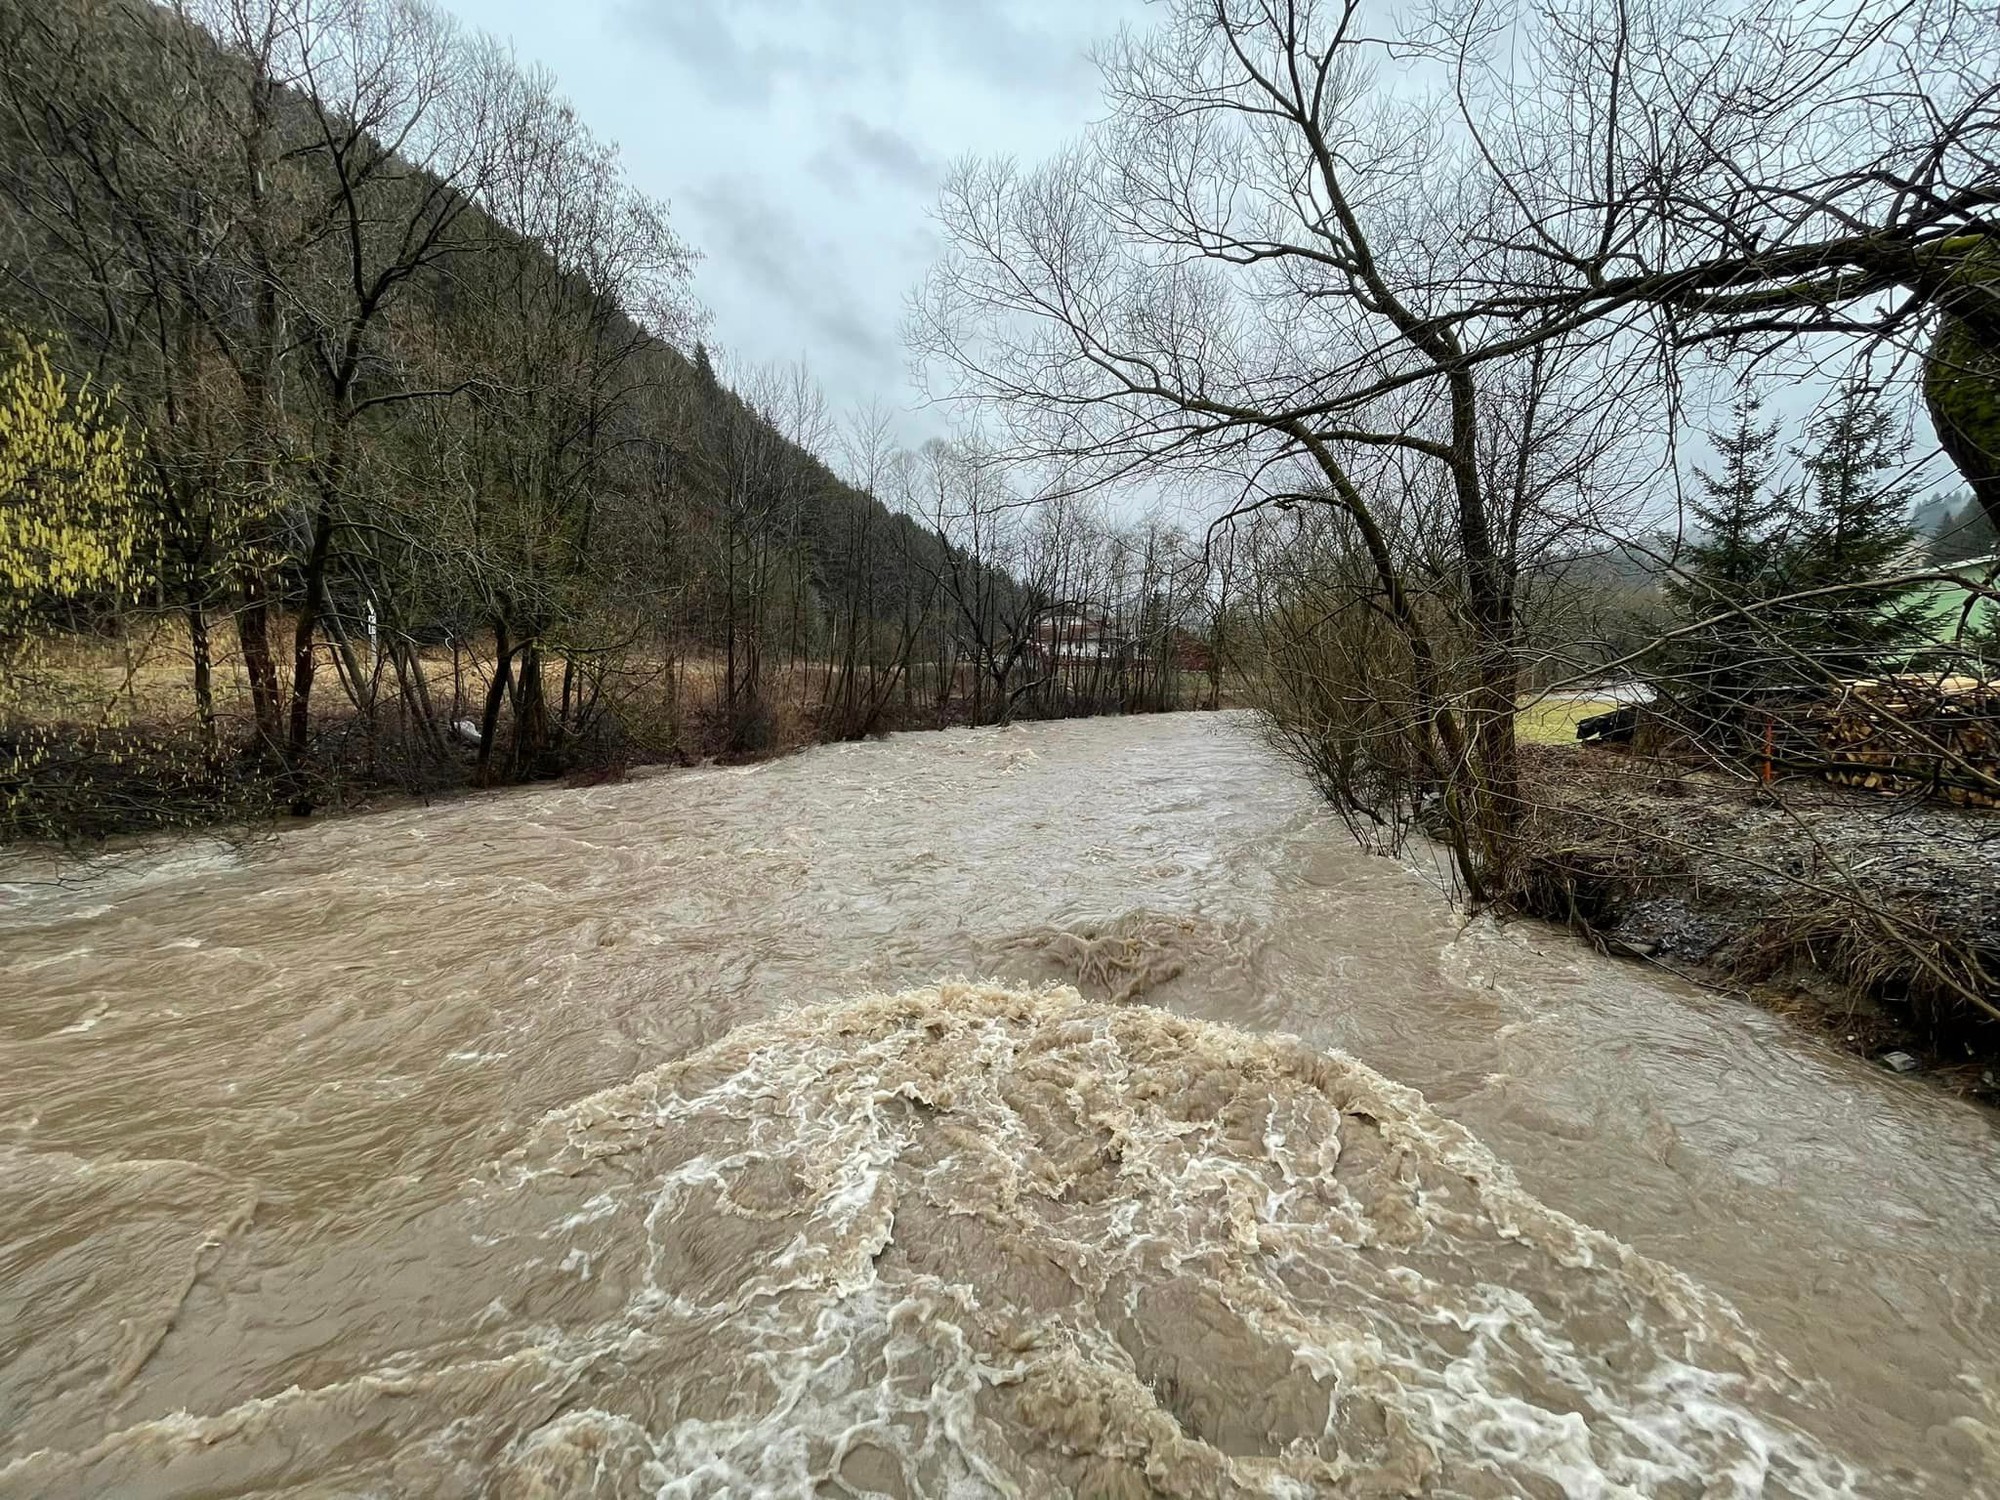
(102, 742)
(1873, 921)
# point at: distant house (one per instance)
(1078, 637)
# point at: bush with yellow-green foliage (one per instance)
(70, 494)
(72, 525)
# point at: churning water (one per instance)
(1062, 1109)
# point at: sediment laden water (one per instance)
(740, 1132)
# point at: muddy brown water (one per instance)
(1061, 1109)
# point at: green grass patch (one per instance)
(1947, 603)
(1553, 721)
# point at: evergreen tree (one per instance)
(1965, 532)
(1854, 527)
(1735, 561)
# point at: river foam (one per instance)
(973, 1241)
(981, 1241)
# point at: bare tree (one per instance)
(866, 660)
(1739, 178)
(1255, 266)
(555, 350)
(1000, 564)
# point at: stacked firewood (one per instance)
(1938, 736)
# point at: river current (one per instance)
(1063, 1109)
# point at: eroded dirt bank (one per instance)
(552, 1144)
(1872, 919)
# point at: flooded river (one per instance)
(1062, 1109)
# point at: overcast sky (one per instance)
(800, 143)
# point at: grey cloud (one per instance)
(736, 52)
(802, 141)
(756, 241)
(732, 64)
(888, 151)
(922, 244)
(750, 235)
(832, 170)
(1004, 46)
(845, 328)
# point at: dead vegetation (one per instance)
(107, 742)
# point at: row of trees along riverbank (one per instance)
(1443, 295)
(356, 432)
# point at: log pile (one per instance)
(1934, 736)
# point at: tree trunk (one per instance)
(204, 686)
(1962, 392)
(532, 752)
(305, 660)
(253, 634)
(496, 693)
(416, 696)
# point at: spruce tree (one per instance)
(1965, 532)
(1855, 526)
(1734, 562)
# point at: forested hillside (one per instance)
(404, 378)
